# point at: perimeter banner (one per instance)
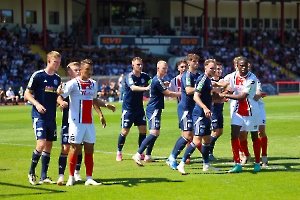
(155, 40)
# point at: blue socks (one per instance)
(34, 161)
(121, 141)
(45, 164)
(148, 143)
(189, 150)
(179, 146)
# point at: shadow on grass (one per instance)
(130, 182)
(276, 164)
(38, 190)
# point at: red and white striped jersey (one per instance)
(81, 94)
(175, 86)
(247, 84)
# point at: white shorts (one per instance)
(79, 133)
(247, 123)
(262, 117)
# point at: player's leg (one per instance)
(78, 166)
(244, 150)
(76, 133)
(50, 137)
(252, 126)
(140, 122)
(154, 117)
(65, 148)
(40, 133)
(126, 123)
(89, 141)
(236, 124)
(256, 149)
(264, 144)
(186, 126)
(217, 131)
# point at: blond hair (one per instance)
(53, 54)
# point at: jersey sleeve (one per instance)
(172, 86)
(33, 81)
(187, 80)
(67, 88)
(129, 80)
(160, 85)
(95, 90)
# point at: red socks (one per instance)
(89, 163)
(235, 150)
(256, 149)
(264, 145)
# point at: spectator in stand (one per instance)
(21, 94)
(2, 97)
(10, 96)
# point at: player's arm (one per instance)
(96, 106)
(241, 96)
(169, 93)
(29, 96)
(106, 105)
(136, 88)
(199, 102)
(62, 104)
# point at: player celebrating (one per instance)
(136, 83)
(82, 92)
(154, 108)
(185, 108)
(41, 93)
(201, 116)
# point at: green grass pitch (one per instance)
(126, 180)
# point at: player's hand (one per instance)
(111, 107)
(167, 83)
(63, 105)
(256, 97)
(207, 113)
(60, 90)
(40, 108)
(102, 119)
(147, 88)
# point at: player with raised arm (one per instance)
(185, 108)
(41, 92)
(136, 83)
(201, 116)
(158, 91)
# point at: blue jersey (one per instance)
(44, 88)
(188, 79)
(134, 100)
(156, 94)
(204, 87)
(65, 114)
(217, 108)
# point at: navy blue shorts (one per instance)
(136, 117)
(64, 135)
(217, 121)
(202, 126)
(185, 120)
(154, 118)
(44, 129)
